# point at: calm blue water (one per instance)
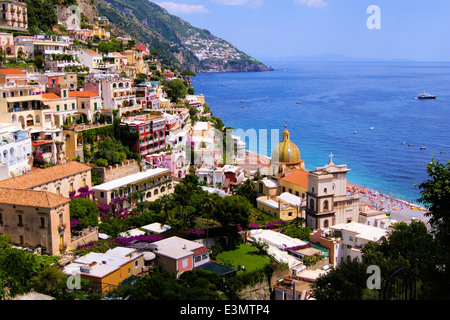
(338, 99)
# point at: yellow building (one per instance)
(35, 219)
(106, 271)
(285, 206)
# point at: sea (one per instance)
(364, 113)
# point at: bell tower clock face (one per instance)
(73, 21)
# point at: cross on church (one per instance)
(331, 157)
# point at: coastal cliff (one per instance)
(176, 40)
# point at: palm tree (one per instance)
(248, 190)
(208, 207)
(166, 201)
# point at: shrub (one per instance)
(101, 162)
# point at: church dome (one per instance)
(286, 151)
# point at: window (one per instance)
(21, 239)
(184, 263)
(1, 219)
(290, 190)
(325, 205)
(102, 194)
(325, 224)
(65, 106)
(325, 190)
(84, 182)
(58, 191)
(57, 107)
(311, 204)
(129, 270)
(73, 106)
(136, 264)
(20, 220)
(42, 222)
(95, 105)
(71, 187)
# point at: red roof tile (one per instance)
(296, 176)
(12, 71)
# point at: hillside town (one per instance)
(107, 131)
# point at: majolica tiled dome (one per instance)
(286, 151)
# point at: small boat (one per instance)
(410, 145)
(371, 128)
(203, 84)
(355, 132)
(403, 142)
(425, 96)
(243, 107)
(299, 102)
(242, 101)
(423, 148)
(443, 152)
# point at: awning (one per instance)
(149, 256)
(14, 173)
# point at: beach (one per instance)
(400, 210)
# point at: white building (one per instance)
(277, 243)
(147, 185)
(354, 236)
(15, 151)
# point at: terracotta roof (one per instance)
(91, 52)
(12, 71)
(50, 96)
(200, 251)
(82, 94)
(31, 198)
(40, 177)
(296, 176)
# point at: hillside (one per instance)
(176, 40)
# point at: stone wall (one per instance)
(87, 235)
(117, 171)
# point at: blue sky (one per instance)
(410, 29)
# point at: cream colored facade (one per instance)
(13, 15)
(61, 179)
(147, 186)
(285, 206)
(327, 201)
(35, 225)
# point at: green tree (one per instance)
(435, 195)
(347, 282)
(175, 89)
(39, 62)
(248, 190)
(16, 268)
(232, 211)
(84, 210)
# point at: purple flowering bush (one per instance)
(196, 233)
(126, 242)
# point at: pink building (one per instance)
(178, 255)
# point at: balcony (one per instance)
(61, 228)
